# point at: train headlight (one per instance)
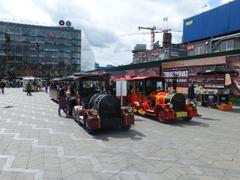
(193, 104)
(170, 105)
(94, 112)
(129, 109)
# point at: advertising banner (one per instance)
(187, 70)
(233, 63)
(138, 72)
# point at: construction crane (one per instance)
(154, 30)
(167, 36)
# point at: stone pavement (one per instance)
(37, 144)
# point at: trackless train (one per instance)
(96, 108)
(147, 96)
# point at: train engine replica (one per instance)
(147, 96)
(171, 106)
(98, 109)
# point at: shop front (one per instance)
(137, 72)
(216, 79)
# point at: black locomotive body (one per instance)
(96, 107)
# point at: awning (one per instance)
(216, 70)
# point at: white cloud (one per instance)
(225, 1)
(23, 11)
(104, 20)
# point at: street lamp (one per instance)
(37, 48)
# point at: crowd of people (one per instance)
(36, 86)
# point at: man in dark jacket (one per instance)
(2, 86)
(174, 82)
(71, 102)
(191, 92)
(61, 100)
(29, 88)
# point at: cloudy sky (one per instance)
(110, 25)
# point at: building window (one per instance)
(227, 45)
(199, 50)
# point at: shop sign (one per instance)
(190, 47)
(155, 53)
(182, 73)
(174, 53)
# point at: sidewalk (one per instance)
(37, 144)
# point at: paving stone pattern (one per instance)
(37, 144)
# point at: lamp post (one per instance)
(37, 48)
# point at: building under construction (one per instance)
(212, 31)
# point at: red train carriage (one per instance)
(97, 108)
(147, 95)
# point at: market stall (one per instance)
(213, 88)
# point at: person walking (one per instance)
(61, 100)
(112, 88)
(46, 87)
(71, 102)
(174, 82)
(29, 88)
(2, 86)
(191, 92)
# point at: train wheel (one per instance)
(161, 115)
(88, 129)
(74, 115)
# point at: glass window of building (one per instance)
(227, 45)
(52, 50)
(199, 50)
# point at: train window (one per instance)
(159, 86)
(92, 87)
(139, 86)
(150, 86)
(130, 87)
(112, 87)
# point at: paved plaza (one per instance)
(35, 143)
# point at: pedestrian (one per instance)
(71, 102)
(46, 87)
(39, 85)
(29, 88)
(34, 84)
(174, 82)
(191, 92)
(61, 100)
(2, 86)
(112, 88)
